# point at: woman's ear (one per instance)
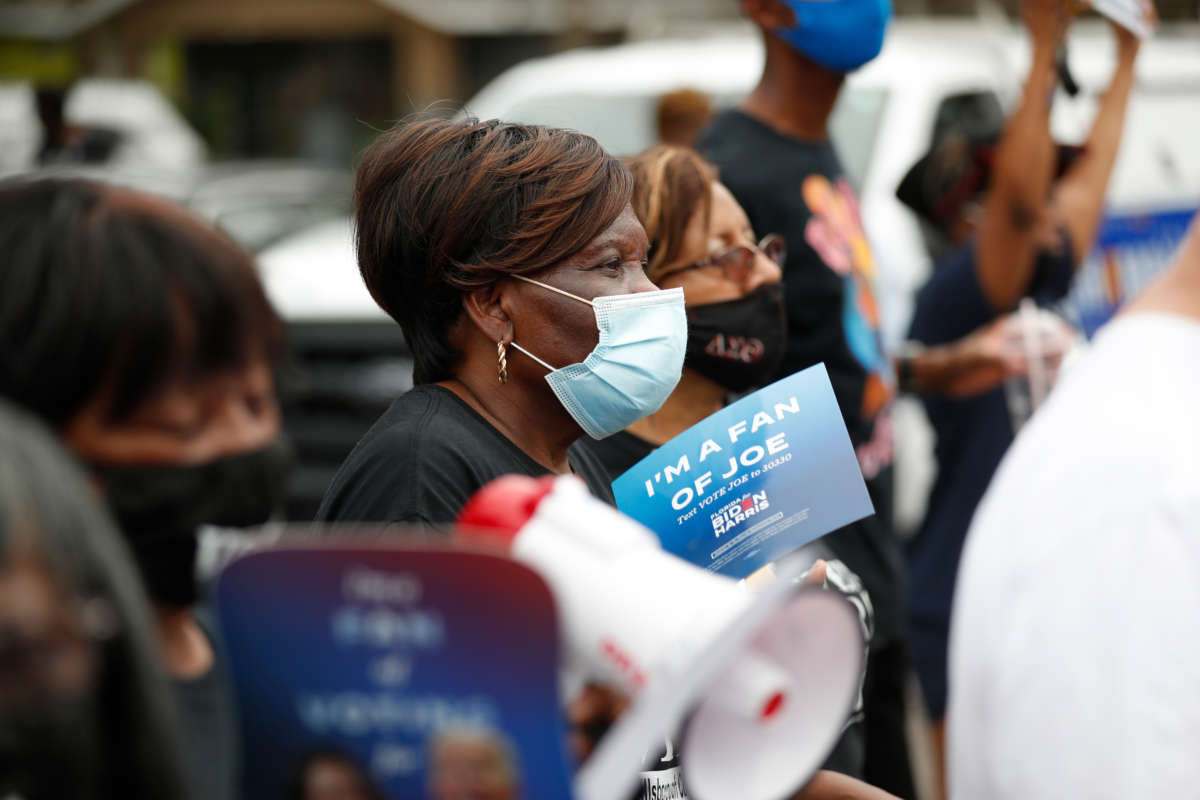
(486, 311)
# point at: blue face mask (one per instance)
(634, 367)
(840, 35)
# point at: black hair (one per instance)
(49, 513)
(106, 289)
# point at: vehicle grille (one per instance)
(339, 377)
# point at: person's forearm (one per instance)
(1080, 193)
(1019, 189)
(1025, 154)
(959, 369)
(930, 370)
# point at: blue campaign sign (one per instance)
(753, 482)
(423, 672)
(1131, 250)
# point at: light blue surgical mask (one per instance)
(635, 365)
(840, 35)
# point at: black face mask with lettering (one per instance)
(160, 509)
(738, 343)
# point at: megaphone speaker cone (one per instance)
(769, 722)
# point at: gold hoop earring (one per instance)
(502, 362)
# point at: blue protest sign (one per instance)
(753, 482)
(1130, 251)
(427, 673)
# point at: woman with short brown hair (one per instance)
(511, 258)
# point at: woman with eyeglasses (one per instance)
(702, 242)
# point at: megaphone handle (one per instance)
(1069, 84)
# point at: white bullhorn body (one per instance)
(643, 620)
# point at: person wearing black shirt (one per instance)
(452, 449)
(701, 241)
(774, 153)
(1021, 214)
(516, 275)
(144, 337)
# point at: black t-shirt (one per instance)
(618, 452)
(797, 188)
(205, 707)
(424, 458)
(972, 436)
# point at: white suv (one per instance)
(928, 74)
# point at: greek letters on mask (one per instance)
(721, 463)
(738, 343)
(747, 350)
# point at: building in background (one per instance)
(316, 78)
(308, 78)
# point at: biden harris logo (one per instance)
(733, 514)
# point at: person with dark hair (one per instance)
(1022, 214)
(702, 242)
(142, 336)
(512, 260)
(84, 709)
(330, 773)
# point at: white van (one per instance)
(882, 123)
(928, 73)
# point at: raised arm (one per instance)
(1020, 183)
(1079, 195)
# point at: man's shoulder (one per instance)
(736, 139)
(724, 129)
(735, 142)
(766, 170)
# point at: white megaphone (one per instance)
(766, 710)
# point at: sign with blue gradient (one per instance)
(753, 482)
(430, 673)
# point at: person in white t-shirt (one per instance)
(1075, 639)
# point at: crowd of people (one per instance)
(569, 312)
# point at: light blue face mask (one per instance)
(635, 365)
(840, 35)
